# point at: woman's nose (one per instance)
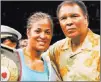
(43, 35)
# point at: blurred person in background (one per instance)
(10, 36)
(23, 43)
(10, 62)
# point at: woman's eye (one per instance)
(48, 33)
(37, 31)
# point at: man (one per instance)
(10, 36)
(77, 57)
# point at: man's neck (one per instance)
(78, 41)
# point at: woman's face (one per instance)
(72, 20)
(40, 35)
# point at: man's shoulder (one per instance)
(93, 38)
(93, 35)
(96, 38)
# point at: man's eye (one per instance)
(74, 15)
(62, 18)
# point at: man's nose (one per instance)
(69, 21)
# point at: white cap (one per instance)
(8, 31)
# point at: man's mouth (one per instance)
(71, 30)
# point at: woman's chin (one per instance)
(42, 49)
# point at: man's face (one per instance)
(72, 20)
(40, 35)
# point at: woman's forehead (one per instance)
(42, 23)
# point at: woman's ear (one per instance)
(28, 33)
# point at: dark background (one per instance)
(15, 14)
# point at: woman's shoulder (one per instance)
(19, 50)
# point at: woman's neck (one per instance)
(32, 53)
(33, 59)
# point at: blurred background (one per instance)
(15, 14)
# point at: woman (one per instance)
(39, 33)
